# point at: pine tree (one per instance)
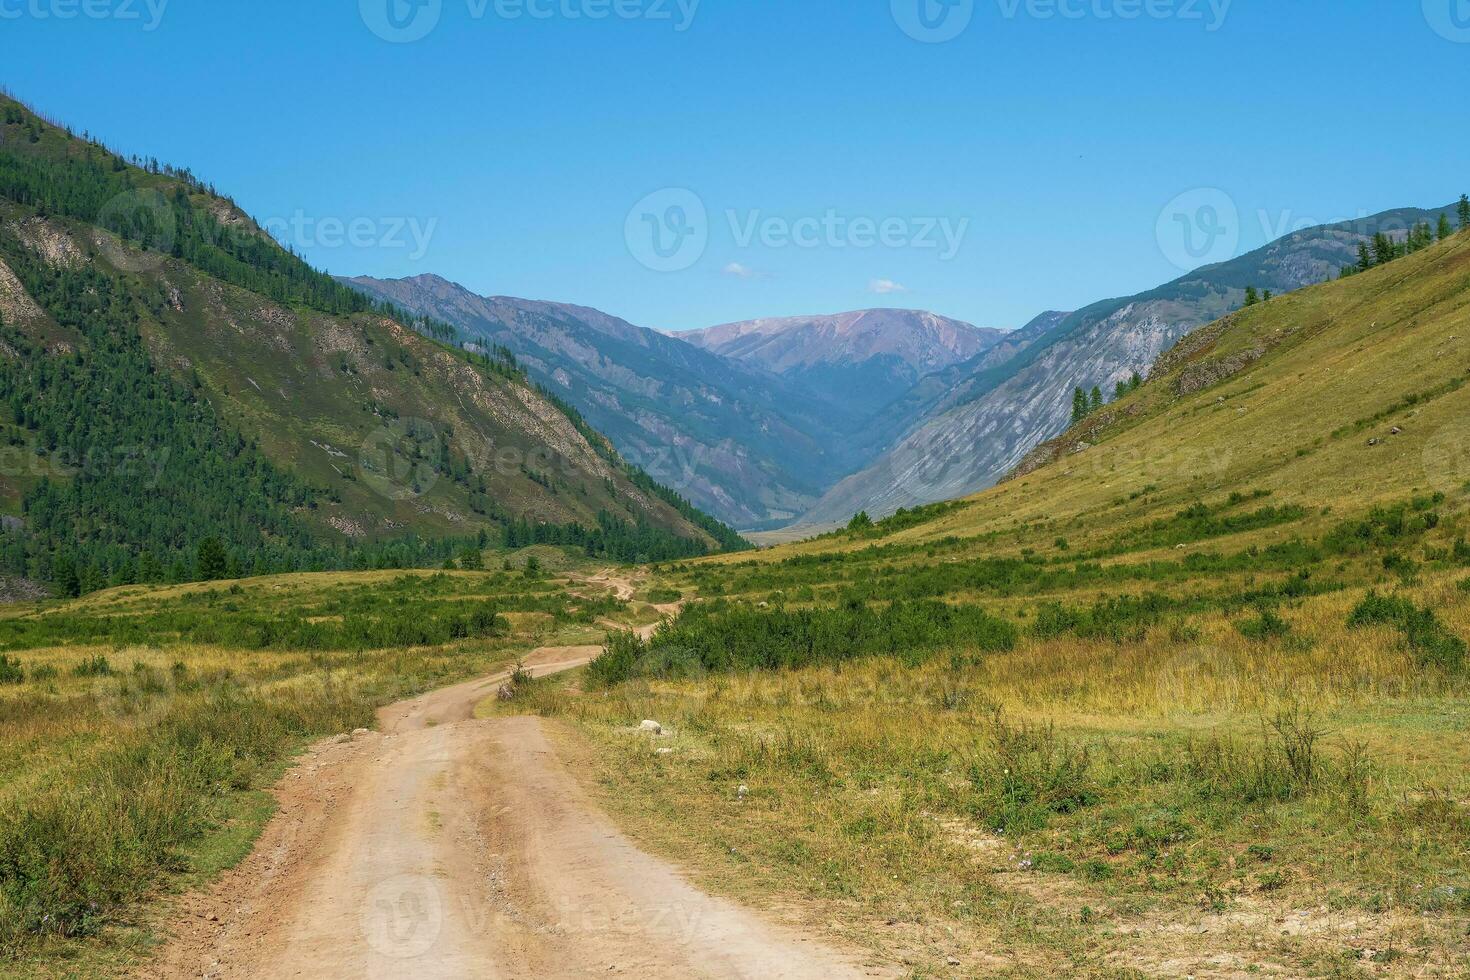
(1251, 297)
(1079, 405)
(1266, 296)
(1097, 400)
(1464, 212)
(1365, 257)
(1445, 228)
(1384, 249)
(211, 560)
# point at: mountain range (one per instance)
(989, 419)
(804, 421)
(862, 361)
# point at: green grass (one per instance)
(1225, 735)
(134, 763)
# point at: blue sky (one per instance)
(841, 153)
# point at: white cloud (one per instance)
(738, 271)
(883, 287)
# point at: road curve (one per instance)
(449, 847)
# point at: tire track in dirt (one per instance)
(446, 846)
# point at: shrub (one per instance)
(1433, 644)
(1286, 763)
(618, 660)
(93, 667)
(10, 671)
(717, 637)
(1267, 625)
(1030, 775)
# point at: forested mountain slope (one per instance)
(740, 442)
(181, 397)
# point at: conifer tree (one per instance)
(1464, 212)
(211, 560)
(1251, 297)
(1445, 229)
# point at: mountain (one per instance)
(739, 442)
(988, 421)
(861, 361)
(183, 397)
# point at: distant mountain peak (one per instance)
(874, 355)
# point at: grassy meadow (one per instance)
(1187, 698)
(140, 726)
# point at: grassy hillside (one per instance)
(1187, 696)
(983, 419)
(175, 376)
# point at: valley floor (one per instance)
(450, 846)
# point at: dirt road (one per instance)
(445, 846)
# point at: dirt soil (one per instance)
(449, 846)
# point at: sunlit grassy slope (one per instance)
(1319, 373)
(140, 726)
(1227, 733)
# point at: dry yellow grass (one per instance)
(1133, 805)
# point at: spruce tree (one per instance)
(211, 560)
(1445, 229)
(1251, 297)
(1365, 257)
(1079, 405)
(1464, 212)
(1097, 399)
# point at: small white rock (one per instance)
(743, 791)
(652, 726)
(663, 752)
(360, 732)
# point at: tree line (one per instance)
(1085, 403)
(1383, 248)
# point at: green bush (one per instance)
(717, 637)
(1029, 775)
(1433, 644)
(93, 667)
(10, 671)
(1267, 625)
